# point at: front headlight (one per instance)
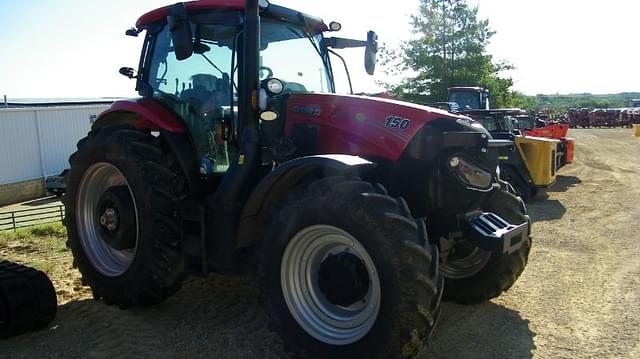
(469, 173)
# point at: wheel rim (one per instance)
(98, 179)
(466, 261)
(304, 259)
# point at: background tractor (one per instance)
(539, 150)
(238, 148)
(530, 162)
(469, 97)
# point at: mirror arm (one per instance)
(178, 23)
(341, 43)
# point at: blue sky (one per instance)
(73, 48)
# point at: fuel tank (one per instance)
(358, 125)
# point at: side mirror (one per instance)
(181, 36)
(371, 52)
(133, 32)
(127, 71)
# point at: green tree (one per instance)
(449, 49)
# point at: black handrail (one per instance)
(21, 218)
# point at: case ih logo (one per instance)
(309, 110)
(397, 122)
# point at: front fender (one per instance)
(275, 186)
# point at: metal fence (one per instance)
(31, 217)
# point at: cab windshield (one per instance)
(466, 100)
(291, 54)
(497, 123)
(203, 88)
(287, 52)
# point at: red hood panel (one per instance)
(357, 125)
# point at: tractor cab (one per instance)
(524, 122)
(501, 122)
(193, 65)
(469, 98)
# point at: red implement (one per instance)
(550, 131)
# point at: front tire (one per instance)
(346, 272)
(475, 275)
(522, 189)
(122, 216)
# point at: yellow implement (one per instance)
(540, 155)
(636, 130)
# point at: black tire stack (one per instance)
(27, 299)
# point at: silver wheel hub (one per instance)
(100, 227)
(109, 219)
(460, 258)
(330, 285)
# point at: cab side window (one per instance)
(199, 89)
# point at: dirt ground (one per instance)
(579, 297)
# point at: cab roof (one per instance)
(161, 13)
(203, 5)
(468, 88)
(496, 112)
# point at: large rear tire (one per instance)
(122, 199)
(27, 299)
(474, 275)
(347, 272)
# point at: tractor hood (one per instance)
(364, 126)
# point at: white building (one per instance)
(36, 141)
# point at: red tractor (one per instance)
(238, 148)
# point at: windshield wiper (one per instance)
(212, 64)
(325, 59)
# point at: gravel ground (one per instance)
(578, 298)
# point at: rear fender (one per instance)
(277, 184)
(141, 113)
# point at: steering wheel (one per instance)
(264, 70)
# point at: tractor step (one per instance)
(192, 231)
(491, 232)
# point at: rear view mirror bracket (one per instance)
(180, 27)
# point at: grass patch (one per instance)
(55, 229)
(43, 247)
(44, 266)
(49, 230)
(47, 238)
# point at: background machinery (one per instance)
(538, 152)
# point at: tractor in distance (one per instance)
(237, 156)
(537, 152)
(531, 162)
